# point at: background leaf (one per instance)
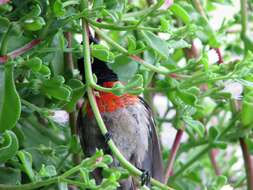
(10, 106)
(9, 147)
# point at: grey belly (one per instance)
(130, 132)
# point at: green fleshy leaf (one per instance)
(10, 106)
(26, 160)
(33, 23)
(9, 147)
(157, 44)
(124, 67)
(102, 53)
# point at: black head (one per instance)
(99, 68)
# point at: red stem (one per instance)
(214, 163)
(24, 49)
(217, 50)
(173, 154)
(248, 163)
(69, 56)
(20, 51)
(3, 59)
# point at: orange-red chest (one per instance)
(109, 102)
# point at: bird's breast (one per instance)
(109, 102)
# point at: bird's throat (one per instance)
(109, 102)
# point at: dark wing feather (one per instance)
(157, 166)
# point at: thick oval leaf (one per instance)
(33, 23)
(131, 43)
(124, 67)
(159, 45)
(187, 97)
(9, 147)
(34, 64)
(213, 133)
(59, 8)
(44, 70)
(102, 53)
(176, 44)
(36, 10)
(56, 88)
(195, 125)
(57, 57)
(10, 106)
(26, 160)
(54, 81)
(59, 92)
(181, 13)
(247, 110)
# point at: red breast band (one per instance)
(109, 102)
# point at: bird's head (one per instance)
(99, 68)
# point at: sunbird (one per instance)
(130, 123)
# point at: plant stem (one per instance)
(72, 116)
(62, 161)
(212, 156)
(110, 41)
(38, 184)
(68, 55)
(248, 163)
(34, 185)
(20, 51)
(200, 8)
(160, 70)
(156, 69)
(88, 77)
(244, 18)
(139, 13)
(204, 151)
(244, 21)
(121, 28)
(173, 154)
(24, 49)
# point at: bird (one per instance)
(130, 123)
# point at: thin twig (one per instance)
(248, 163)
(24, 49)
(200, 8)
(246, 155)
(212, 155)
(173, 154)
(72, 115)
(20, 51)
